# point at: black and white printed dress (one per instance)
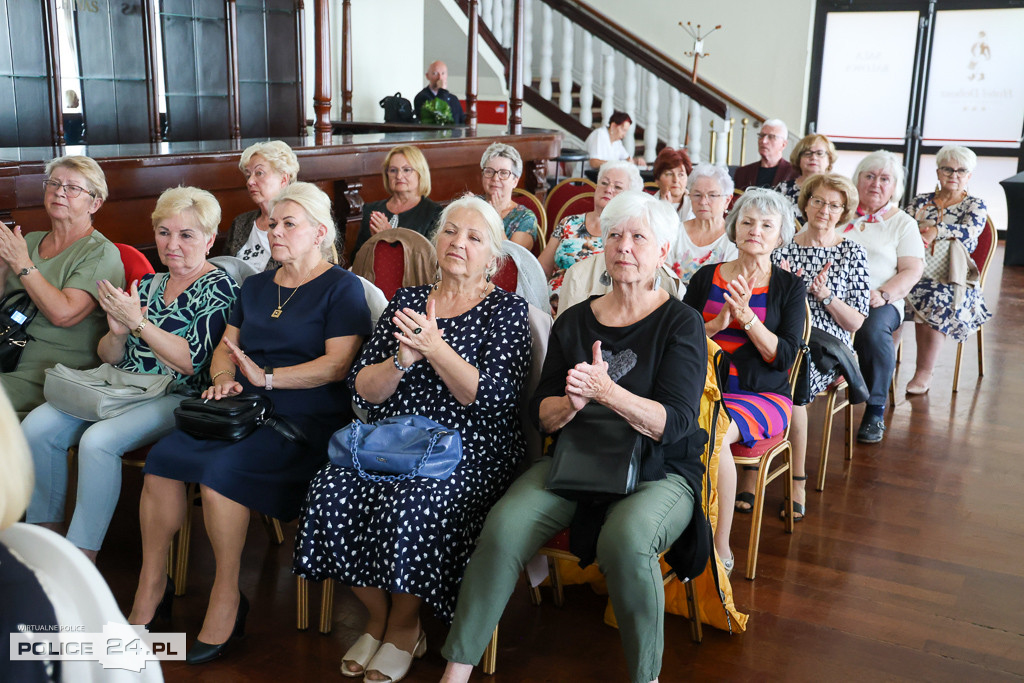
(847, 280)
(416, 536)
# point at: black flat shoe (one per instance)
(163, 610)
(201, 652)
(871, 431)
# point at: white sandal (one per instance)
(360, 653)
(395, 663)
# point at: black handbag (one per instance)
(397, 109)
(232, 418)
(597, 452)
(17, 311)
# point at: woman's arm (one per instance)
(125, 313)
(339, 352)
(908, 271)
(522, 238)
(547, 257)
(62, 307)
(461, 377)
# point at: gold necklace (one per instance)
(277, 311)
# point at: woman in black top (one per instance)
(642, 355)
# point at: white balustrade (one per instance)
(651, 130)
(484, 9)
(527, 43)
(722, 142)
(587, 82)
(547, 37)
(631, 86)
(565, 76)
(694, 131)
(508, 13)
(675, 115)
(608, 98)
(495, 21)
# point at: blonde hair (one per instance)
(418, 162)
(317, 206)
(837, 183)
(495, 228)
(16, 465)
(199, 203)
(277, 153)
(805, 144)
(89, 169)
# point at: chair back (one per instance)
(238, 269)
(388, 267)
(651, 187)
(560, 194)
(135, 263)
(581, 203)
(530, 201)
(985, 250)
(804, 350)
(507, 276)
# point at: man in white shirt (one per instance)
(605, 144)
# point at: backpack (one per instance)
(16, 313)
(397, 109)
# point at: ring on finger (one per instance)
(417, 330)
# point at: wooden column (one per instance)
(472, 47)
(322, 72)
(53, 65)
(234, 111)
(150, 26)
(346, 60)
(515, 119)
(300, 42)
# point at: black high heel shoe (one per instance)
(163, 610)
(201, 652)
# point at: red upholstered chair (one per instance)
(581, 203)
(763, 453)
(530, 201)
(507, 276)
(388, 267)
(560, 194)
(982, 256)
(135, 263)
(651, 188)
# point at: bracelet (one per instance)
(213, 380)
(398, 365)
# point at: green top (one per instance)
(79, 266)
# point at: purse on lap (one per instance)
(399, 447)
(598, 451)
(17, 311)
(103, 392)
(232, 418)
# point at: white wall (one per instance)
(445, 28)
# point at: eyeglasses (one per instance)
(820, 153)
(769, 136)
(882, 179)
(959, 172)
(503, 173)
(73, 191)
(821, 204)
(698, 197)
(405, 170)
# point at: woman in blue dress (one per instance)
(292, 336)
(456, 352)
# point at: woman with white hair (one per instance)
(702, 239)
(946, 216)
(579, 236)
(292, 336)
(501, 166)
(456, 352)
(895, 262)
(755, 311)
(657, 392)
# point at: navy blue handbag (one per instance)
(399, 447)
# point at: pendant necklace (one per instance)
(277, 311)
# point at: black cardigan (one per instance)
(784, 315)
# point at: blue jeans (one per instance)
(876, 351)
(50, 433)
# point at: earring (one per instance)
(657, 283)
(437, 278)
(488, 277)
(605, 279)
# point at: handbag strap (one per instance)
(154, 284)
(354, 440)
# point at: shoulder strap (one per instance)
(154, 284)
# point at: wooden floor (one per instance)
(910, 565)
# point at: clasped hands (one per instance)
(13, 247)
(819, 285)
(123, 309)
(418, 335)
(588, 381)
(379, 222)
(737, 303)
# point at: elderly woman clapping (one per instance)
(702, 239)
(501, 167)
(755, 312)
(945, 216)
(657, 393)
(59, 269)
(456, 352)
(892, 241)
(166, 324)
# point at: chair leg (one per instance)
(273, 527)
(184, 539)
(301, 603)
(326, 606)
(826, 437)
(556, 582)
(956, 366)
(535, 596)
(981, 352)
(490, 660)
(696, 630)
(848, 410)
(787, 485)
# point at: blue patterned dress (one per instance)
(932, 300)
(574, 245)
(520, 219)
(415, 536)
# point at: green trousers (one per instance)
(635, 531)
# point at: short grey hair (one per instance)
(495, 228)
(957, 154)
(636, 183)
(719, 174)
(768, 202)
(503, 151)
(277, 153)
(883, 160)
(317, 206)
(631, 205)
(777, 123)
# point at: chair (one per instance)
(982, 256)
(530, 283)
(507, 276)
(651, 187)
(396, 258)
(388, 267)
(561, 193)
(581, 203)
(135, 263)
(238, 269)
(761, 455)
(530, 201)
(832, 406)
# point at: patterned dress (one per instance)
(575, 244)
(686, 258)
(757, 415)
(933, 300)
(791, 191)
(416, 536)
(520, 219)
(847, 279)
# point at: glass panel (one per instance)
(974, 85)
(866, 73)
(984, 183)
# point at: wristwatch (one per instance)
(137, 332)
(269, 373)
(25, 271)
(827, 300)
(750, 323)
(885, 295)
